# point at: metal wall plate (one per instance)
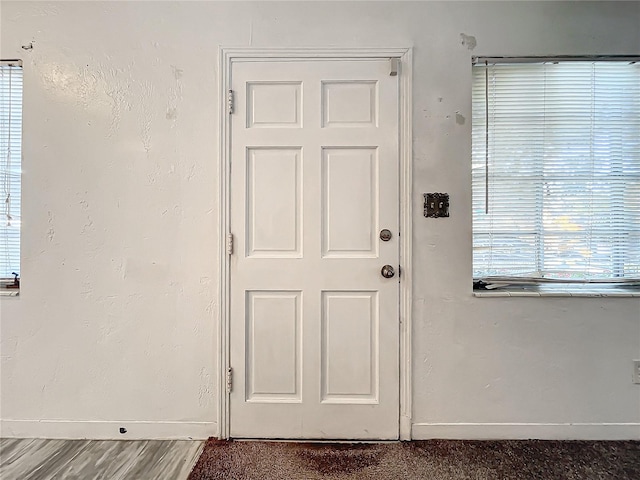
(436, 205)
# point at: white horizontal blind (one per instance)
(563, 170)
(10, 166)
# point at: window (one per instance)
(10, 171)
(556, 169)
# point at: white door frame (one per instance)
(226, 57)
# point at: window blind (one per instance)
(556, 170)
(10, 166)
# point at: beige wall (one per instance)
(116, 320)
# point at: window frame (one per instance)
(535, 285)
(10, 285)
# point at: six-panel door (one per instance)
(314, 178)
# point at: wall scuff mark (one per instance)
(172, 113)
(117, 91)
(177, 72)
(146, 119)
(51, 233)
(468, 41)
(175, 94)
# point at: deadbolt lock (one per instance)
(385, 235)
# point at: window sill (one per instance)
(560, 291)
(9, 292)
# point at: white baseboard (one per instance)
(98, 430)
(520, 431)
(136, 430)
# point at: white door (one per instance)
(314, 325)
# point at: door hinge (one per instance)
(230, 244)
(229, 379)
(230, 101)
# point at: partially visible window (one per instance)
(556, 170)
(10, 171)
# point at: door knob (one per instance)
(387, 271)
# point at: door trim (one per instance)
(226, 57)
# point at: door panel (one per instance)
(350, 202)
(274, 104)
(314, 326)
(350, 104)
(274, 201)
(273, 347)
(350, 347)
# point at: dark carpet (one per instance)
(432, 459)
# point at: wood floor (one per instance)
(36, 459)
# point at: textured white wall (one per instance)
(116, 320)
